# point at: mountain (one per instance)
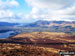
(8, 24)
(42, 23)
(40, 26)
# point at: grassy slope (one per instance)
(38, 50)
(45, 37)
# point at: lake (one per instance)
(7, 34)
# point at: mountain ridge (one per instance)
(44, 23)
(40, 23)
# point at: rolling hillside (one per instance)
(37, 43)
(42, 37)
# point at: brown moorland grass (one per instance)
(44, 37)
(24, 50)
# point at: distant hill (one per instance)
(8, 24)
(42, 23)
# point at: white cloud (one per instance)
(5, 6)
(8, 4)
(41, 10)
(6, 13)
(60, 17)
(26, 16)
(53, 9)
(14, 3)
(67, 11)
(35, 10)
(35, 16)
(52, 4)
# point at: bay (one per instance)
(6, 34)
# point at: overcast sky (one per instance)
(25, 11)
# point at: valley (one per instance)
(41, 38)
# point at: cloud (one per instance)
(8, 4)
(6, 13)
(52, 4)
(14, 3)
(5, 8)
(9, 16)
(68, 11)
(52, 9)
(60, 17)
(41, 10)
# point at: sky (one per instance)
(26, 11)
